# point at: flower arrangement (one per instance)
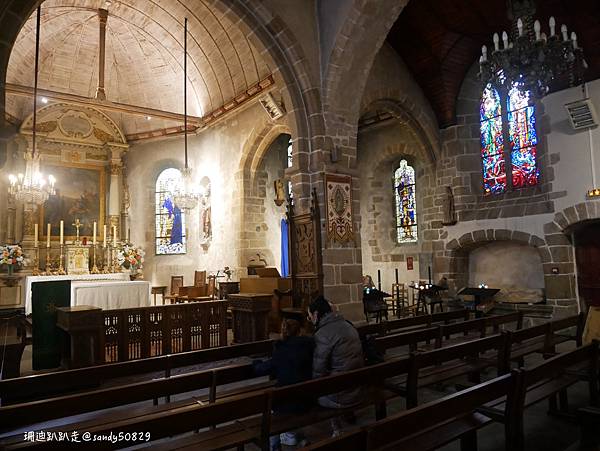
(130, 257)
(11, 256)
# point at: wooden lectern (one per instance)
(270, 282)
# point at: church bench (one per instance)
(544, 381)
(40, 386)
(426, 427)
(420, 321)
(19, 415)
(467, 359)
(441, 335)
(545, 337)
(177, 420)
(374, 395)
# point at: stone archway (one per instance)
(557, 233)
(559, 288)
(251, 191)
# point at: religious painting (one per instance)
(205, 212)
(338, 191)
(80, 194)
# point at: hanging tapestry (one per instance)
(338, 189)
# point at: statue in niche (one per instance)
(205, 212)
(279, 192)
(449, 211)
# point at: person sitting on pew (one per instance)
(337, 349)
(291, 363)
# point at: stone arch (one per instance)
(561, 252)
(404, 115)
(250, 197)
(455, 264)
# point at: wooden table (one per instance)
(84, 324)
(250, 316)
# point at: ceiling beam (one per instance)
(196, 122)
(105, 105)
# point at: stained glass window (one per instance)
(289, 153)
(518, 123)
(406, 208)
(492, 142)
(523, 139)
(170, 220)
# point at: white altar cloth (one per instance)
(85, 277)
(110, 295)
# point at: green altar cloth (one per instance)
(46, 297)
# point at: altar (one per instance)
(111, 294)
(95, 278)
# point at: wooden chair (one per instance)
(212, 286)
(199, 278)
(176, 284)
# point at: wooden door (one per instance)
(587, 252)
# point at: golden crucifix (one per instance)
(77, 224)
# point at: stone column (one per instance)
(114, 196)
(11, 221)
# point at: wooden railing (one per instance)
(143, 332)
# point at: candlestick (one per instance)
(61, 268)
(105, 266)
(62, 232)
(429, 272)
(104, 243)
(379, 279)
(95, 230)
(114, 236)
(36, 259)
(95, 269)
(35, 235)
(48, 233)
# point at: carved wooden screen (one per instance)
(305, 254)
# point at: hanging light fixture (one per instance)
(186, 195)
(32, 188)
(527, 57)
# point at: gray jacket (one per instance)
(337, 348)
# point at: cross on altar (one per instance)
(77, 224)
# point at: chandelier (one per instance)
(31, 188)
(186, 194)
(528, 58)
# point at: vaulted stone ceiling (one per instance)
(439, 40)
(144, 56)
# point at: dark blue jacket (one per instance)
(290, 363)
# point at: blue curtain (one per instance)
(285, 250)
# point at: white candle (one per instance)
(35, 235)
(115, 236)
(62, 232)
(48, 232)
(104, 243)
(95, 230)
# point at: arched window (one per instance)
(406, 206)
(517, 121)
(170, 220)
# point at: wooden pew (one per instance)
(544, 381)
(157, 419)
(420, 321)
(460, 415)
(44, 385)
